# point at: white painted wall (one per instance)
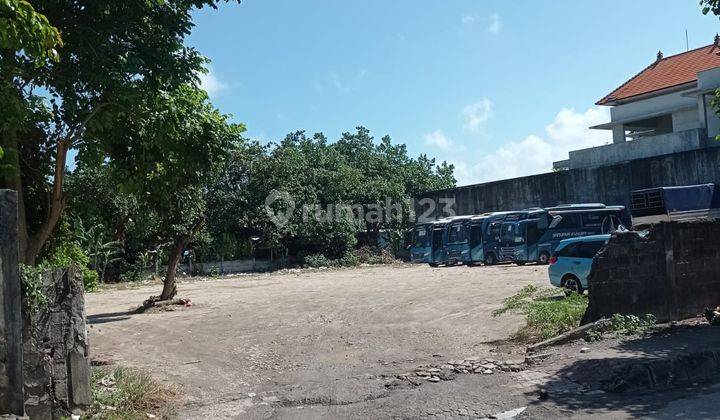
(639, 109)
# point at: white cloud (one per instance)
(439, 140)
(477, 113)
(496, 24)
(468, 19)
(535, 154)
(210, 83)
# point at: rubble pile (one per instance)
(448, 371)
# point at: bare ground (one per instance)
(328, 344)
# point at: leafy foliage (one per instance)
(65, 251)
(33, 297)
(326, 178)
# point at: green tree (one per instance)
(167, 155)
(114, 53)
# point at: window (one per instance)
(455, 234)
(569, 221)
(589, 249)
(592, 219)
(568, 250)
(494, 230)
(581, 249)
(421, 238)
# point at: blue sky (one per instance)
(499, 88)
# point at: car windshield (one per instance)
(421, 238)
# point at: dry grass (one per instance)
(122, 393)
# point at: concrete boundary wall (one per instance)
(673, 272)
(607, 184)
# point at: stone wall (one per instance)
(673, 272)
(56, 361)
(607, 184)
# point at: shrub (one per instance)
(349, 260)
(373, 255)
(318, 261)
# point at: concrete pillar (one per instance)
(12, 396)
(619, 134)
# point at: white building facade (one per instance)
(666, 108)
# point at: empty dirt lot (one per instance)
(321, 340)
(328, 344)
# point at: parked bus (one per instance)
(475, 239)
(421, 243)
(533, 239)
(428, 243)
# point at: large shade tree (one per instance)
(168, 152)
(113, 54)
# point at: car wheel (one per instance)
(470, 263)
(544, 258)
(520, 263)
(572, 284)
(490, 259)
(434, 265)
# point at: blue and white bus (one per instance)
(534, 238)
(428, 243)
(475, 239)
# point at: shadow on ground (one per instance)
(641, 375)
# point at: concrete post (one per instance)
(12, 401)
(619, 134)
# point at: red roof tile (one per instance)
(667, 72)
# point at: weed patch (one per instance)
(123, 393)
(548, 312)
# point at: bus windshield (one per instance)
(512, 233)
(421, 237)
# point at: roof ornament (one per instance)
(717, 39)
(659, 55)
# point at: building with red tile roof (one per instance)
(665, 108)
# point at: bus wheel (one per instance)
(490, 259)
(543, 258)
(434, 265)
(572, 284)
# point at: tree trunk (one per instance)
(169, 286)
(57, 204)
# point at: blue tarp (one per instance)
(690, 197)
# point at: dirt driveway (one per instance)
(320, 343)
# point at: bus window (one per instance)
(569, 221)
(456, 233)
(475, 234)
(421, 237)
(592, 219)
(494, 230)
